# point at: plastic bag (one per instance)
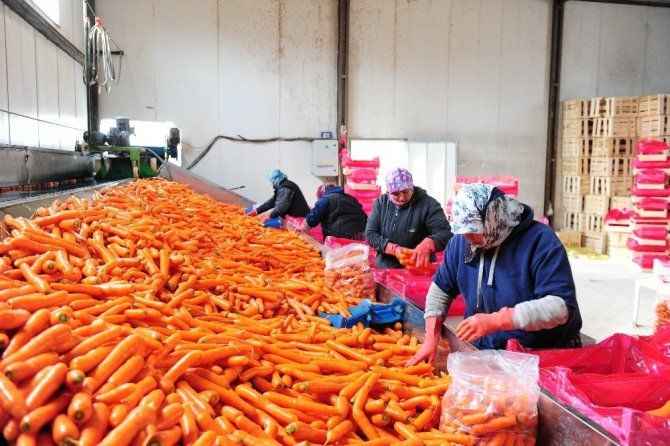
(613, 383)
(493, 397)
(662, 307)
(348, 272)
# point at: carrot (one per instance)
(80, 408)
(34, 420)
(97, 340)
(339, 432)
(118, 413)
(308, 406)
(188, 425)
(63, 263)
(475, 418)
(53, 378)
(12, 430)
(51, 339)
(257, 400)
(11, 398)
(116, 394)
(26, 440)
(90, 360)
(304, 432)
(17, 291)
(207, 438)
(167, 437)
(33, 279)
(136, 420)
(169, 416)
(129, 370)
(494, 425)
(33, 302)
(20, 370)
(359, 404)
(63, 430)
(116, 357)
(187, 361)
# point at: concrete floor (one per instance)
(605, 290)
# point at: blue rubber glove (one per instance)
(276, 223)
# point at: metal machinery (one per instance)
(116, 159)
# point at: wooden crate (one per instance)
(610, 186)
(617, 239)
(611, 167)
(613, 106)
(575, 185)
(651, 126)
(621, 126)
(577, 128)
(575, 109)
(570, 239)
(577, 147)
(573, 203)
(610, 147)
(621, 202)
(596, 204)
(654, 105)
(597, 241)
(575, 166)
(593, 222)
(573, 221)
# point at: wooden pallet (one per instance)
(611, 147)
(575, 109)
(575, 166)
(613, 106)
(621, 202)
(573, 203)
(593, 222)
(575, 185)
(577, 128)
(654, 105)
(620, 126)
(610, 186)
(611, 167)
(577, 147)
(570, 239)
(596, 204)
(597, 241)
(653, 126)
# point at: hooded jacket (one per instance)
(406, 226)
(286, 200)
(339, 214)
(530, 264)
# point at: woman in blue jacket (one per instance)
(513, 272)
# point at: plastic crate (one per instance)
(509, 185)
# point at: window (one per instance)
(50, 8)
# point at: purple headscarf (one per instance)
(399, 179)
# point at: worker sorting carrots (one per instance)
(152, 315)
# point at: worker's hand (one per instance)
(482, 324)
(391, 249)
(421, 254)
(304, 227)
(427, 352)
(251, 211)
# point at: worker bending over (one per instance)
(513, 272)
(406, 216)
(286, 200)
(339, 214)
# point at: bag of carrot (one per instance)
(348, 272)
(493, 398)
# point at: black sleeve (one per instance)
(282, 202)
(437, 225)
(267, 205)
(373, 228)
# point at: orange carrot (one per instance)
(11, 398)
(80, 408)
(64, 430)
(33, 279)
(53, 378)
(34, 420)
(20, 370)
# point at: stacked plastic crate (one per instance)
(650, 194)
(361, 181)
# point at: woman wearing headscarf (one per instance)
(339, 214)
(406, 217)
(513, 272)
(286, 200)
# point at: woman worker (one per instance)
(513, 272)
(286, 200)
(406, 216)
(339, 214)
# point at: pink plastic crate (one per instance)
(654, 233)
(650, 192)
(636, 246)
(363, 193)
(509, 185)
(362, 175)
(649, 146)
(651, 177)
(646, 261)
(348, 162)
(637, 164)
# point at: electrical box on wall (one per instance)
(324, 157)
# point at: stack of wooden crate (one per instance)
(597, 145)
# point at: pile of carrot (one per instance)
(152, 315)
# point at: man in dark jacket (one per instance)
(286, 200)
(339, 214)
(406, 216)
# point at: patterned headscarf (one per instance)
(475, 212)
(276, 177)
(399, 179)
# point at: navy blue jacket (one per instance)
(339, 214)
(531, 264)
(286, 200)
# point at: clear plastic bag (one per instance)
(662, 310)
(493, 397)
(348, 272)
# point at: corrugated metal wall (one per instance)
(42, 96)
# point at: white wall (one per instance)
(470, 71)
(42, 97)
(615, 50)
(259, 69)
